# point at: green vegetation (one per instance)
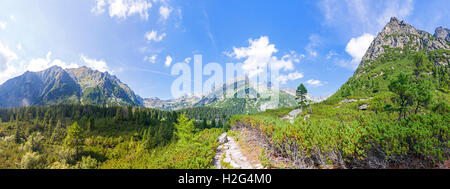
(88, 137)
(334, 134)
(376, 75)
(301, 96)
(349, 137)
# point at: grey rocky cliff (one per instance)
(442, 33)
(399, 34)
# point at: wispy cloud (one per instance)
(151, 59)
(123, 8)
(314, 41)
(99, 65)
(331, 53)
(315, 83)
(153, 36)
(283, 79)
(6, 56)
(165, 11)
(363, 16)
(39, 64)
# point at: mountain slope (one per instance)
(102, 88)
(393, 51)
(50, 86)
(72, 86)
(359, 126)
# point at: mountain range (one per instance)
(86, 86)
(70, 86)
(83, 85)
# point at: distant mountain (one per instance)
(180, 103)
(314, 99)
(255, 98)
(72, 86)
(392, 52)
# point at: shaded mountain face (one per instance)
(72, 86)
(393, 51)
(50, 86)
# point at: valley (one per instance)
(392, 113)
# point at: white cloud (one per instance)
(168, 61)
(123, 8)
(99, 8)
(95, 64)
(331, 53)
(368, 16)
(188, 60)
(314, 41)
(6, 57)
(39, 64)
(259, 55)
(179, 17)
(12, 18)
(165, 11)
(315, 83)
(3, 25)
(283, 79)
(356, 48)
(151, 59)
(153, 36)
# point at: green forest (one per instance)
(90, 137)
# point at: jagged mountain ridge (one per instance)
(253, 97)
(399, 34)
(392, 52)
(66, 86)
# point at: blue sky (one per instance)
(319, 43)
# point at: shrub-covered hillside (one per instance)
(88, 137)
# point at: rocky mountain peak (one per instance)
(442, 33)
(395, 26)
(399, 34)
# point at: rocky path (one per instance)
(233, 155)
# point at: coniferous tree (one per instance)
(74, 138)
(300, 94)
(184, 128)
(403, 87)
(422, 94)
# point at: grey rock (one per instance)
(295, 112)
(292, 115)
(397, 34)
(223, 138)
(345, 101)
(442, 33)
(364, 107)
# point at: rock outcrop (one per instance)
(442, 33)
(399, 34)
